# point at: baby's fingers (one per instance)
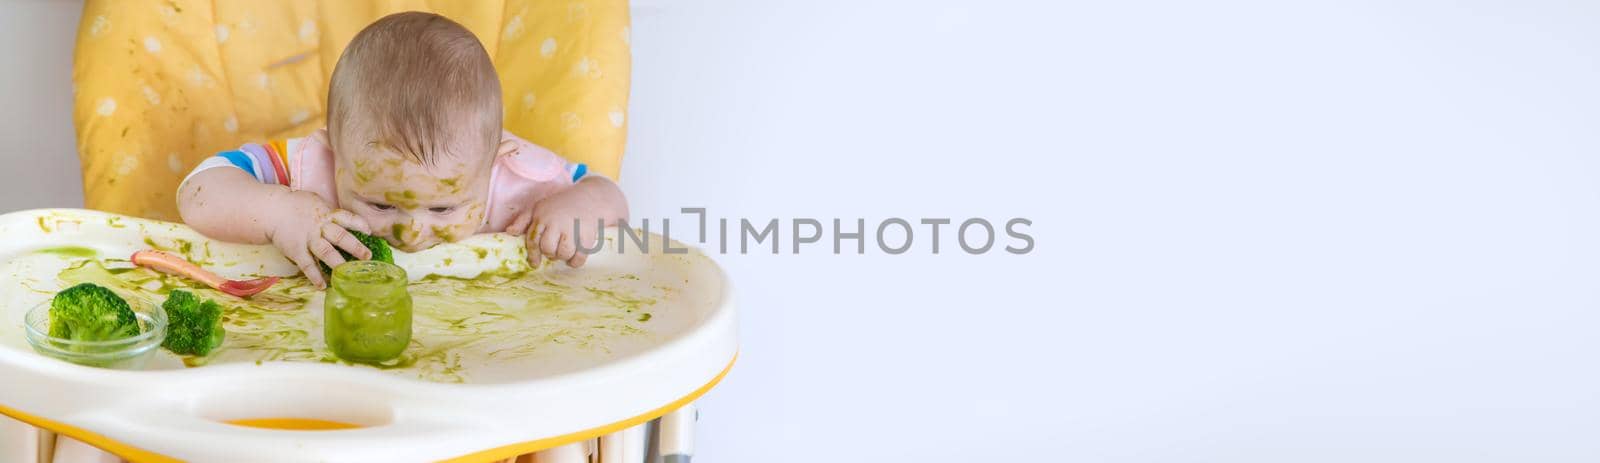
(325, 252)
(586, 240)
(519, 224)
(550, 239)
(531, 243)
(577, 260)
(307, 264)
(566, 248)
(350, 220)
(346, 241)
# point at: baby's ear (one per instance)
(508, 146)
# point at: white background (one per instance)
(38, 158)
(1265, 231)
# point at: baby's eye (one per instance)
(382, 207)
(440, 210)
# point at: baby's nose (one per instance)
(412, 237)
(403, 235)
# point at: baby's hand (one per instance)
(306, 230)
(551, 220)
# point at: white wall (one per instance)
(1267, 231)
(38, 154)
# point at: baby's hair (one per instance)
(409, 82)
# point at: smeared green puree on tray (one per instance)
(506, 314)
(70, 251)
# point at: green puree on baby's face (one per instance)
(406, 199)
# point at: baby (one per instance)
(414, 153)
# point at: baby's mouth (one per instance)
(411, 247)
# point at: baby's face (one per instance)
(412, 205)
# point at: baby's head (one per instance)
(414, 123)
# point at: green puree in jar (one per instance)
(367, 313)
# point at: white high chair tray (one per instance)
(504, 359)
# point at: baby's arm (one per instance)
(593, 199)
(228, 204)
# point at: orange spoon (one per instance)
(171, 264)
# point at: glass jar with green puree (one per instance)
(367, 312)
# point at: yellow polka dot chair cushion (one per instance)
(161, 84)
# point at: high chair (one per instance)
(161, 84)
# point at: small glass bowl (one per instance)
(123, 354)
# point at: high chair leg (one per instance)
(576, 452)
(69, 450)
(625, 446)
(47, 445)
(675, 435)
(18, 441)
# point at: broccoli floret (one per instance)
(194, 327)
(90, 312)
(379, 247)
